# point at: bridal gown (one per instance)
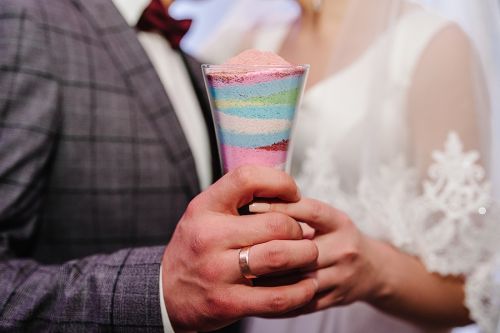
(386, 202)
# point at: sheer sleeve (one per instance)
(454, 217)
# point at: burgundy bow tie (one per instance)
(156, 18)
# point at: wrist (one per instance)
(383, 258)
(170, 315)
(168, 309)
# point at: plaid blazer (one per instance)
(94, 170)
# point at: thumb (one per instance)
(240, 186)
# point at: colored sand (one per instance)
(257, 58)
(254, 98)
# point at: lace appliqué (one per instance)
(447, 220)
(483, 296)
(456, 226)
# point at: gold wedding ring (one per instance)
(244, 261)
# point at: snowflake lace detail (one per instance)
(447, 219)
(456, 228)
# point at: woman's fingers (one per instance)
(255, 229)
(328, 279)
(333, 248)
(330, 292)
(320, 216)
(307, 231)
(321, 222)
(321, 301)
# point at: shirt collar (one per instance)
(131, 10)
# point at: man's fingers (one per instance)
(280, 280)
(255, 229)
(328, 249)
(280, 256)
(268, 258)
(321, 301)
(274, 301)
(240, 186)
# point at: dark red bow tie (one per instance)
(156, 18)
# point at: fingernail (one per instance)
(298, 193)
(259, 207)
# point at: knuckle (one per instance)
(313, 250)
(198, 236)
(276, 258)
(197, 244)
(351, 254)
(219, 306)
(279, 303)
(243, 176)
(276, 224)
(344, 219)
(191, 209)
(286, 180)
(202, 241)
(318, 210)
(310, 291)
(282, 226)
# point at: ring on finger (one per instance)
(244, 263)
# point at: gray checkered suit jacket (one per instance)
(94, 170)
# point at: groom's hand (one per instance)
(202, 283)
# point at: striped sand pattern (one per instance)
(238, 124)
(253, 112)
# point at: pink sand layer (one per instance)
(234, 157)
(231, 77)
(256, 57)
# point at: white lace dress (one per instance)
(443, 214)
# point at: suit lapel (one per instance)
(194, 69)
(140, 76)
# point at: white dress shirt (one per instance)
(175, 78)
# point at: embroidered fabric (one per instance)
(483, 296)
(447, 219)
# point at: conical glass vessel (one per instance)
(253, 109)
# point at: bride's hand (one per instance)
(353, 267)
(350, 266)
